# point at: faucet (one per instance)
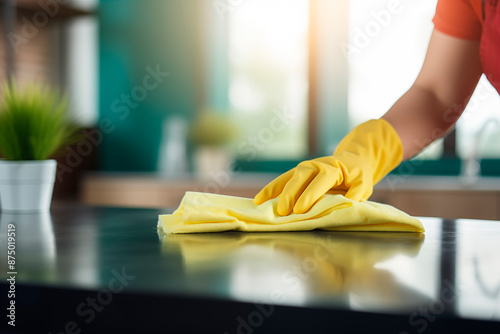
(471, 168)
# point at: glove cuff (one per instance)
(376, 141)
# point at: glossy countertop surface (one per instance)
(452, 269)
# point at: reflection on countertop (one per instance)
(407, 281)
(302, 267)
(29, 234)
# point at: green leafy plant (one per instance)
(210, 128)
(34, 123)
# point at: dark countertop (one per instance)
(87, 269)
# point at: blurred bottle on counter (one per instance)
(172, 159)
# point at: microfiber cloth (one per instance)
(204, 212)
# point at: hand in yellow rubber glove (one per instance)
(368, 153)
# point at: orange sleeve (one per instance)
(459, 18)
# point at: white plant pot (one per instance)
(26, 186)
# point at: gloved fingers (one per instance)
(303, 175)
(337, 191)
(319, 186)
(274, 188)
(359, 191)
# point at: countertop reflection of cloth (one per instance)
(203, 212)
(344, 262)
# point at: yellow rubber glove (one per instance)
(367, 154)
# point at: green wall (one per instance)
(136, 39)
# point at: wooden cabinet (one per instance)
(442, 203)
(418, 196)
(444, 197)
(144, 190)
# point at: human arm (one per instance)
(424, 113)
(430, 108)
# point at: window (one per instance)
(478, 130)
(388, 46)
(388, 41)
(268, 76)
(82, 69)
(384, 46)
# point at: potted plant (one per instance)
(34, 124)
(211, 132)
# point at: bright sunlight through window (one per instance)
(268, 80)
(388, 41)
(388, 45)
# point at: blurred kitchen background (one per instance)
(223, 95)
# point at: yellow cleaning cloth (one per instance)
(203, 212)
